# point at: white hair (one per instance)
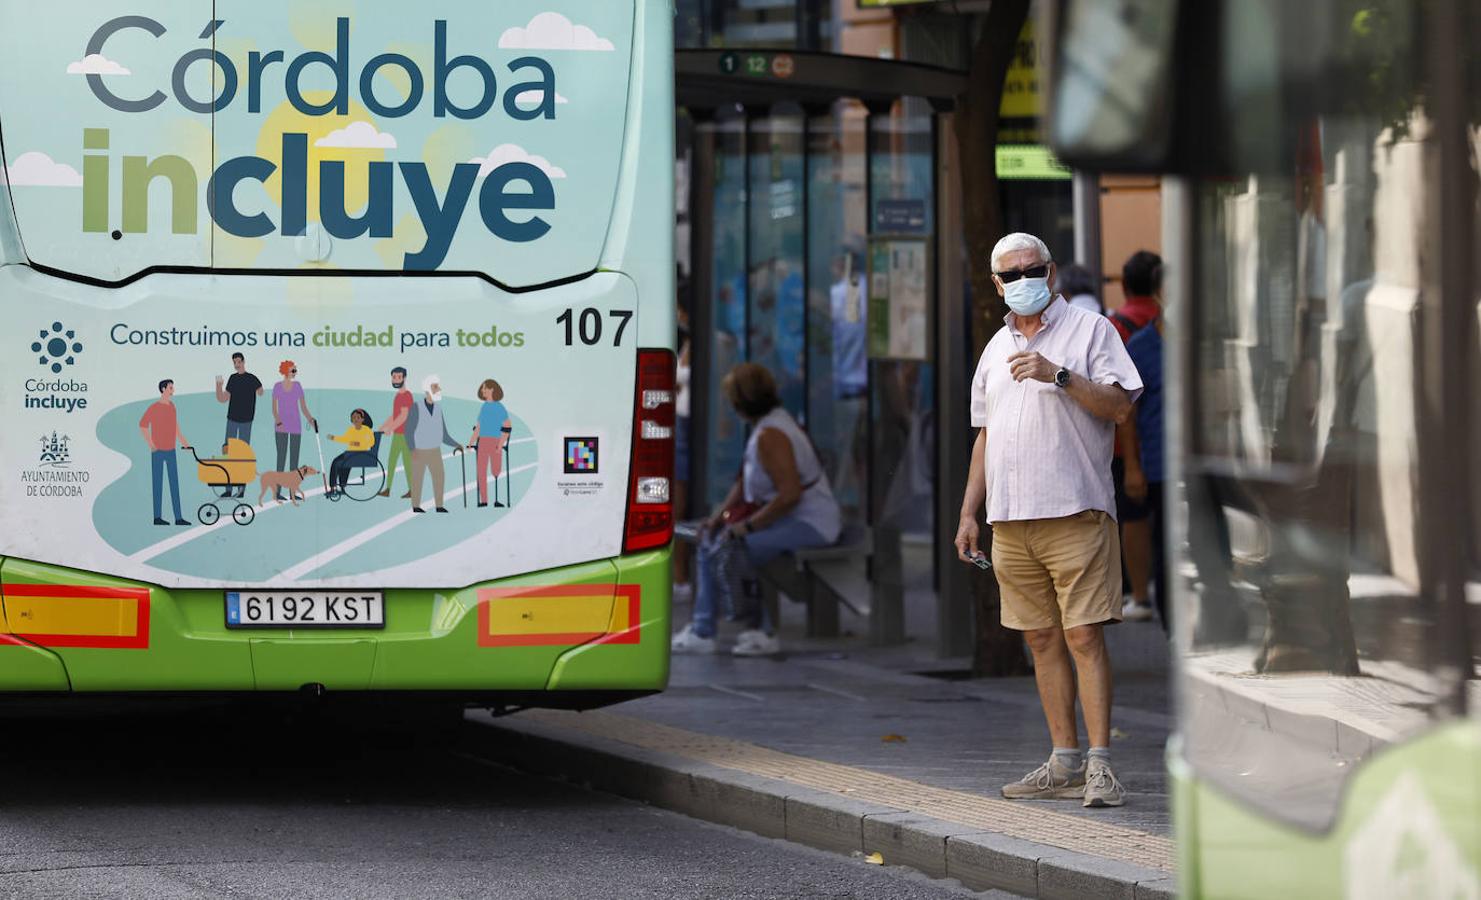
(429, 381)
(1019, 240)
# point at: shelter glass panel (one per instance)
(838, 362)
(902, 466)
(777, 311)
(727, 293)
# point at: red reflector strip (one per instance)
(627, 617)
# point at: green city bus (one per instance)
(1320, 233)
(338, 349)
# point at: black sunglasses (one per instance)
(1013, 275)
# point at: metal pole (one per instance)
(1447, 322)
(746, 205)
(954, 632)
(886, 575)
(702, 310)
(1086, 199)
(805, 206)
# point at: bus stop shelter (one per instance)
(819, 229)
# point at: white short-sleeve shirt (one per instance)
(1046, 456)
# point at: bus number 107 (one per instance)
(586, 325)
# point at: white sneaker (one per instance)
(1101, 787)
(686, 641)
(1133, 611)
(756, 643)
(1051, 781)
(683, 592)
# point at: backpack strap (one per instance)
(1125, 322)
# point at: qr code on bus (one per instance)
(581, 455)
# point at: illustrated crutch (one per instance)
(323, 472)
(508, 491)
(463, 467)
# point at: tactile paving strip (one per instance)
(1020, 820)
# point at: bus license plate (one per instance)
(305, 609)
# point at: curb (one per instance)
(980, 860)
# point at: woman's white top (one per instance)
(817, 507)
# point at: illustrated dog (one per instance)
(291, 481)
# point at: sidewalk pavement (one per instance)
(853, 749)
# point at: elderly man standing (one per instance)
(1049, 390)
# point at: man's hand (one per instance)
(1029, 364)
(1135, 483)
(737, 530)
(966, 539)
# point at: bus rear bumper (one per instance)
(577, 637)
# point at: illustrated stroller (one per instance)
(236, 468)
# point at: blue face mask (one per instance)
(1027, 296)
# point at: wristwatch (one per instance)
(1062, 377)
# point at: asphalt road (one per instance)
(240, 802)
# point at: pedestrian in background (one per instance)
(1079, 287)
(1048, 391)
(1141, 279)
(1145, 350)
(781, 502)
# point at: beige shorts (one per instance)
(1058, 572)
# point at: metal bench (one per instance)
(800, 575)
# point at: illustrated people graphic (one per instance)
(426, 434)
(161, 429)
(489, 434)
(360, 439)
(239, 393)
(288, 402)
(395, 426)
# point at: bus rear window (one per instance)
(466, 137)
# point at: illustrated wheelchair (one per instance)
(366, 480)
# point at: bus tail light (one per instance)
(650, 506)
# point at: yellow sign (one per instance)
(1030, 162)
(1021, 87)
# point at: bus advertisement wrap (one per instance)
(100, 446)
(461, 138)
(187, 410)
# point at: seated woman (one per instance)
(781, 502)
(359, 438)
